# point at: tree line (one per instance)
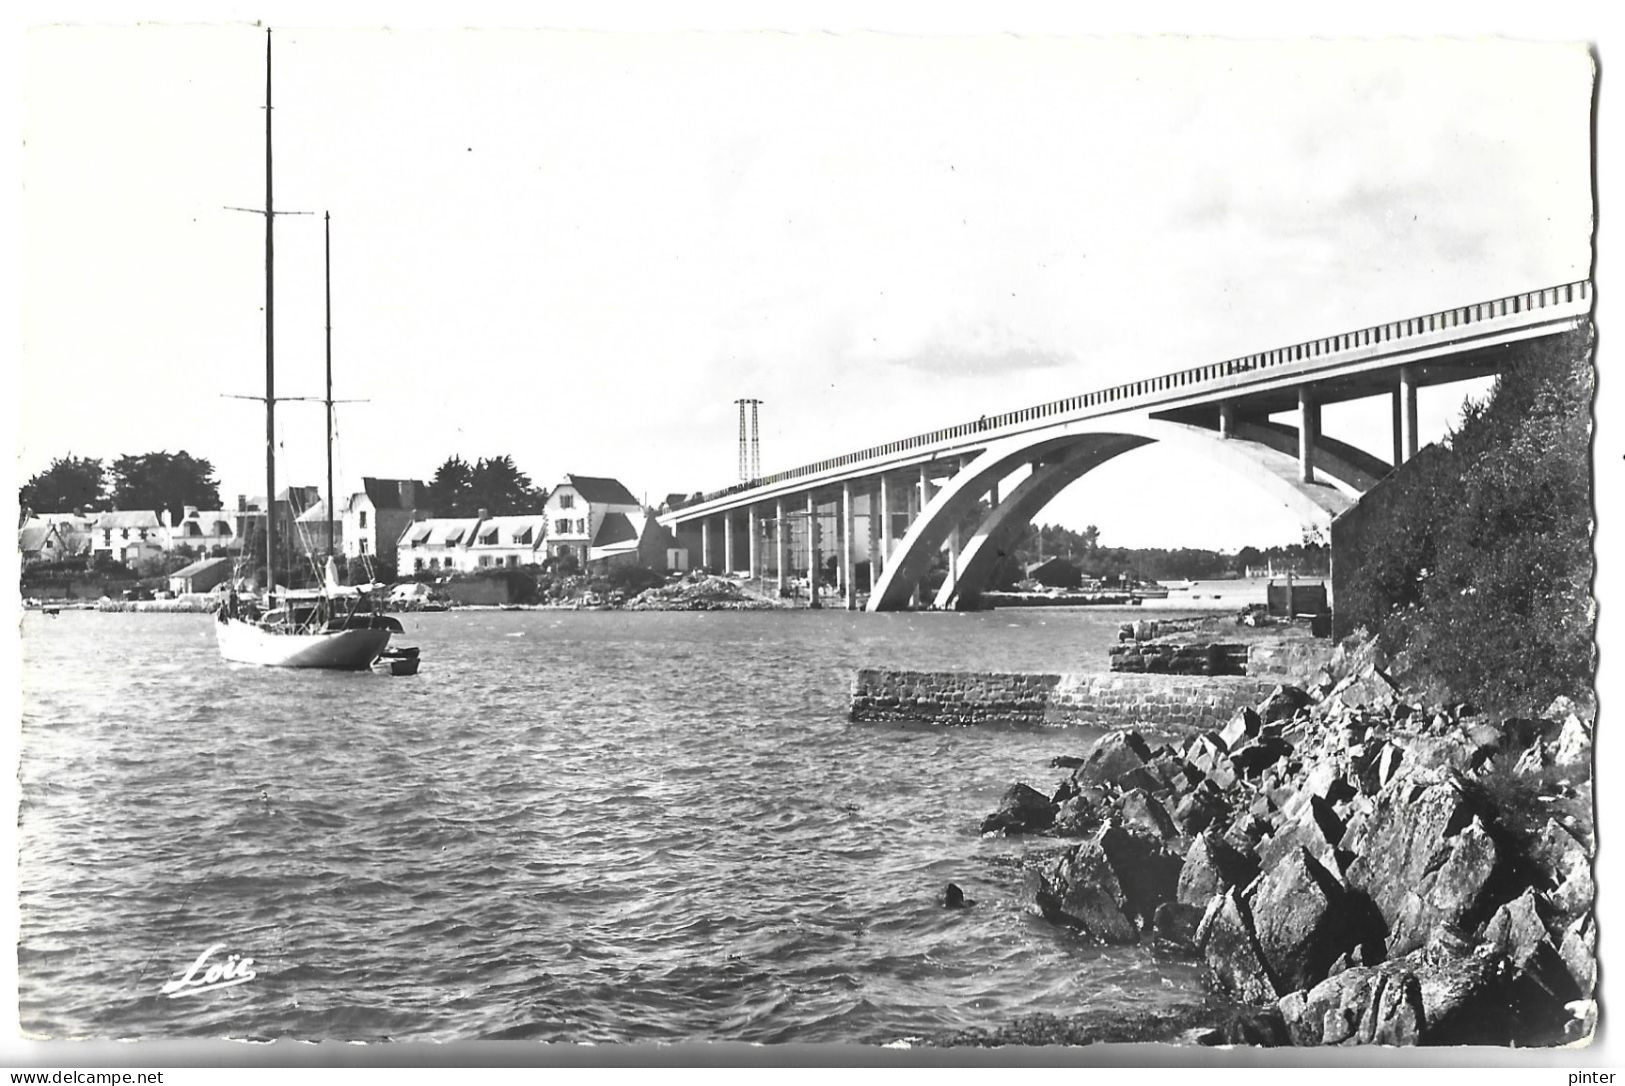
(171, 481)
(156, 480)
(1084, 551)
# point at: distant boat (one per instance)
(332, 627)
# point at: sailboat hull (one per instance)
(339, 650)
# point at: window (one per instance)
(124, 533)
(485, 559)
(418, 564)
(581, 527)
(434, 563)
(489, 539)
(363, 545)
(362, 521)
(562, 527)
(525, 538)
(567, 501)
(513, 559)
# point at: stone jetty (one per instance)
(1355, 867)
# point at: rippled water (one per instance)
(568, 826)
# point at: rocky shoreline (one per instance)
(1351, 866)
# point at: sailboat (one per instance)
(331, 627)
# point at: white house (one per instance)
(438, 544)
(129, 535)
(576, 510)
(508, 541)
(466, 544)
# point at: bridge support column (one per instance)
(728, 542)
(849, 586)
(753, 527)
(925, 500)
(885, 532)
(705, 545)
(1227, 419)
(781, 545)
(953, 561)
(873, 539)
(1405, 416)
(812, 552)
(1308, 433)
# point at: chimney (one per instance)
(188, 512)
(485, 514)
(408, 494)
(242, 503)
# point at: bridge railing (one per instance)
(1462, 316)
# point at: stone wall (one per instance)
(1111, 700)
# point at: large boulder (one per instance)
(1079, 889)
(1317, 828)
(1144, 811)
(1225, 939)
(1430, 996)
(1283, 703)
(1113, 755)
(1402, 846)
(1212, 866)
(1021, 810)
(1108, 886)
(1466, 874)
(1304, 920)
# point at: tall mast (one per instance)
(327, 282)
(270, 349)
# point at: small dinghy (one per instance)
(401, 661)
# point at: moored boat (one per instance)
(334, 627)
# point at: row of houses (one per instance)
(594, 520)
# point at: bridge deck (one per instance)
(1444, 346)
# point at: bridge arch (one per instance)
(1062, 456)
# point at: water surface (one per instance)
(573, 826)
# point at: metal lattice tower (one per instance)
(750, 443)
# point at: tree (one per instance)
(164, 481)
(499, 487)
(451, 489)
(70, 483)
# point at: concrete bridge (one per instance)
(967, 491)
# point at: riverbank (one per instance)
(1348, 866)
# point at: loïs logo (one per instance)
(206, 975)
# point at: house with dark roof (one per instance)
(378, 514)
(200, 576)
(635, 539)
(576, 510)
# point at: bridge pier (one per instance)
(885, 532)
(781, 545)
(812, 552)
(705, 545)
(1308, 433)
(1405, 415)
(1227, 419)
(849, 588)
(872, 541)
(728, 543)
(753, 530)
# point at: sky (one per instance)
(579, 248)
